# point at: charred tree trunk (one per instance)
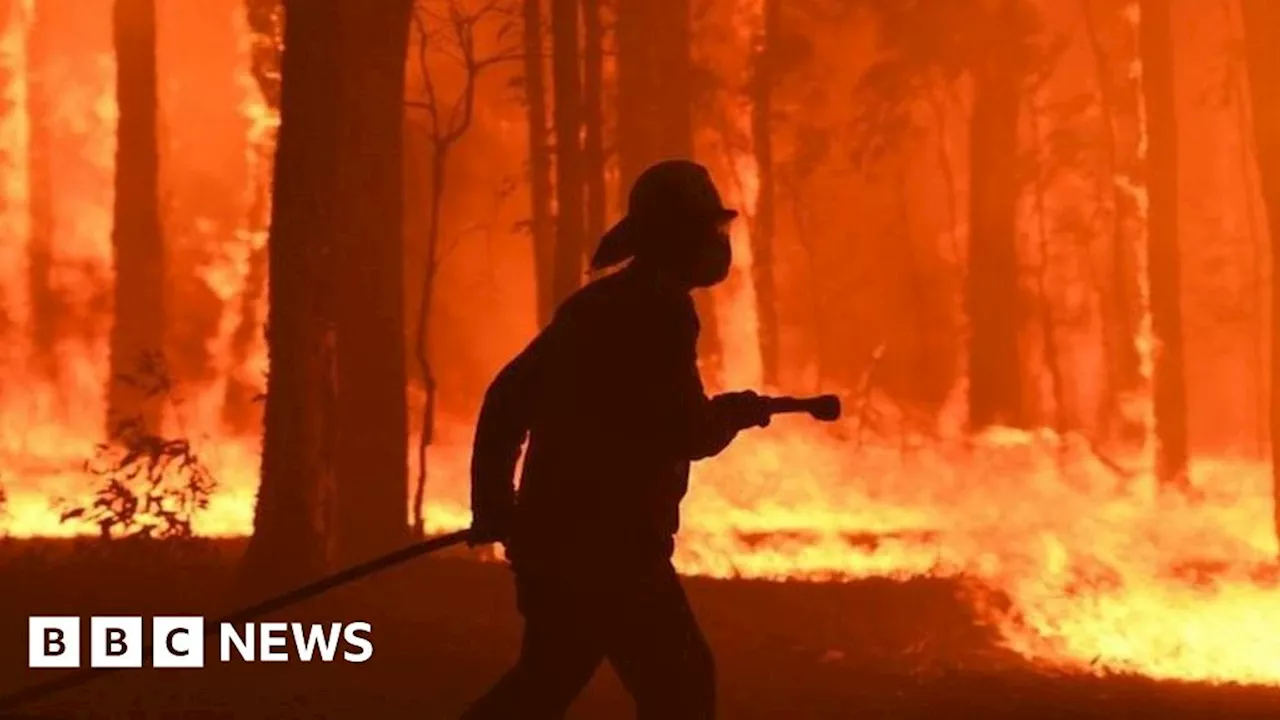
(655, 94)
(995, 304)
(916, 345)
(1062, 419)
(1258, 244)
(541, 223)
(593, 119)
(419, 211)
(444, 129)
(1262, 54)
(239, 411)
(938, 107)
(1120, 291)
(570, 248)
(372, 415)
(655, 110)
(292, 525)
(635, 120)
(764, 225)
(11, 324)
(1239, 99)
(422, 350)
(137, 332)
(1164, 263)
(44, 300)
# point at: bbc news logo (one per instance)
(178, 642)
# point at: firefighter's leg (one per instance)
(658, 651)
(558, 656)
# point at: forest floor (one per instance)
(444, 627)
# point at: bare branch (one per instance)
(447, 29)
(432, 105)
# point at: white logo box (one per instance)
(115, 641)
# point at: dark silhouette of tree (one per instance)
(334, 467)
(798, 74)
(931, 44)
(567, 272)
(1048, 322)
(136, 238)
(372, 450)
(656, 99)
(45, 303)
(11, 23)
(541, 225)
(764, 223)
(1233, 94)
(1054, 132)
(1113, 44)
(1262, 57)
(655, 85)
(593, 158)
(1163, 259)
(447, 29)
(995, 304)
(292, 525)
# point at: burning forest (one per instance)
(262, 258)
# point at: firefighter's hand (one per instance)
(744, 409)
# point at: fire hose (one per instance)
(825, 408)
(40, 691)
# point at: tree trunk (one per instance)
(764, 225)
(1164, 263)
(655, 110)
(655, 94)
(915, 285)
(422, 336)
(1262, 55)
(540, 218)
(292, 520)
(1258, 240)
(635, 117)
(1120, 291)
(1062, 419)
(12, 324)
(995, 304)
(568, 270)
(137, 242)
(593, 119)
(44, 301)
(372, 450)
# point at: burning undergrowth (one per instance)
(1097, 570)
(146, 484)
(1072, 564)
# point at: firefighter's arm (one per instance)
(703, 427)
(505, 416)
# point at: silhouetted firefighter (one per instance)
(614, 409)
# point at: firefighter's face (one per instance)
(709, 256)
